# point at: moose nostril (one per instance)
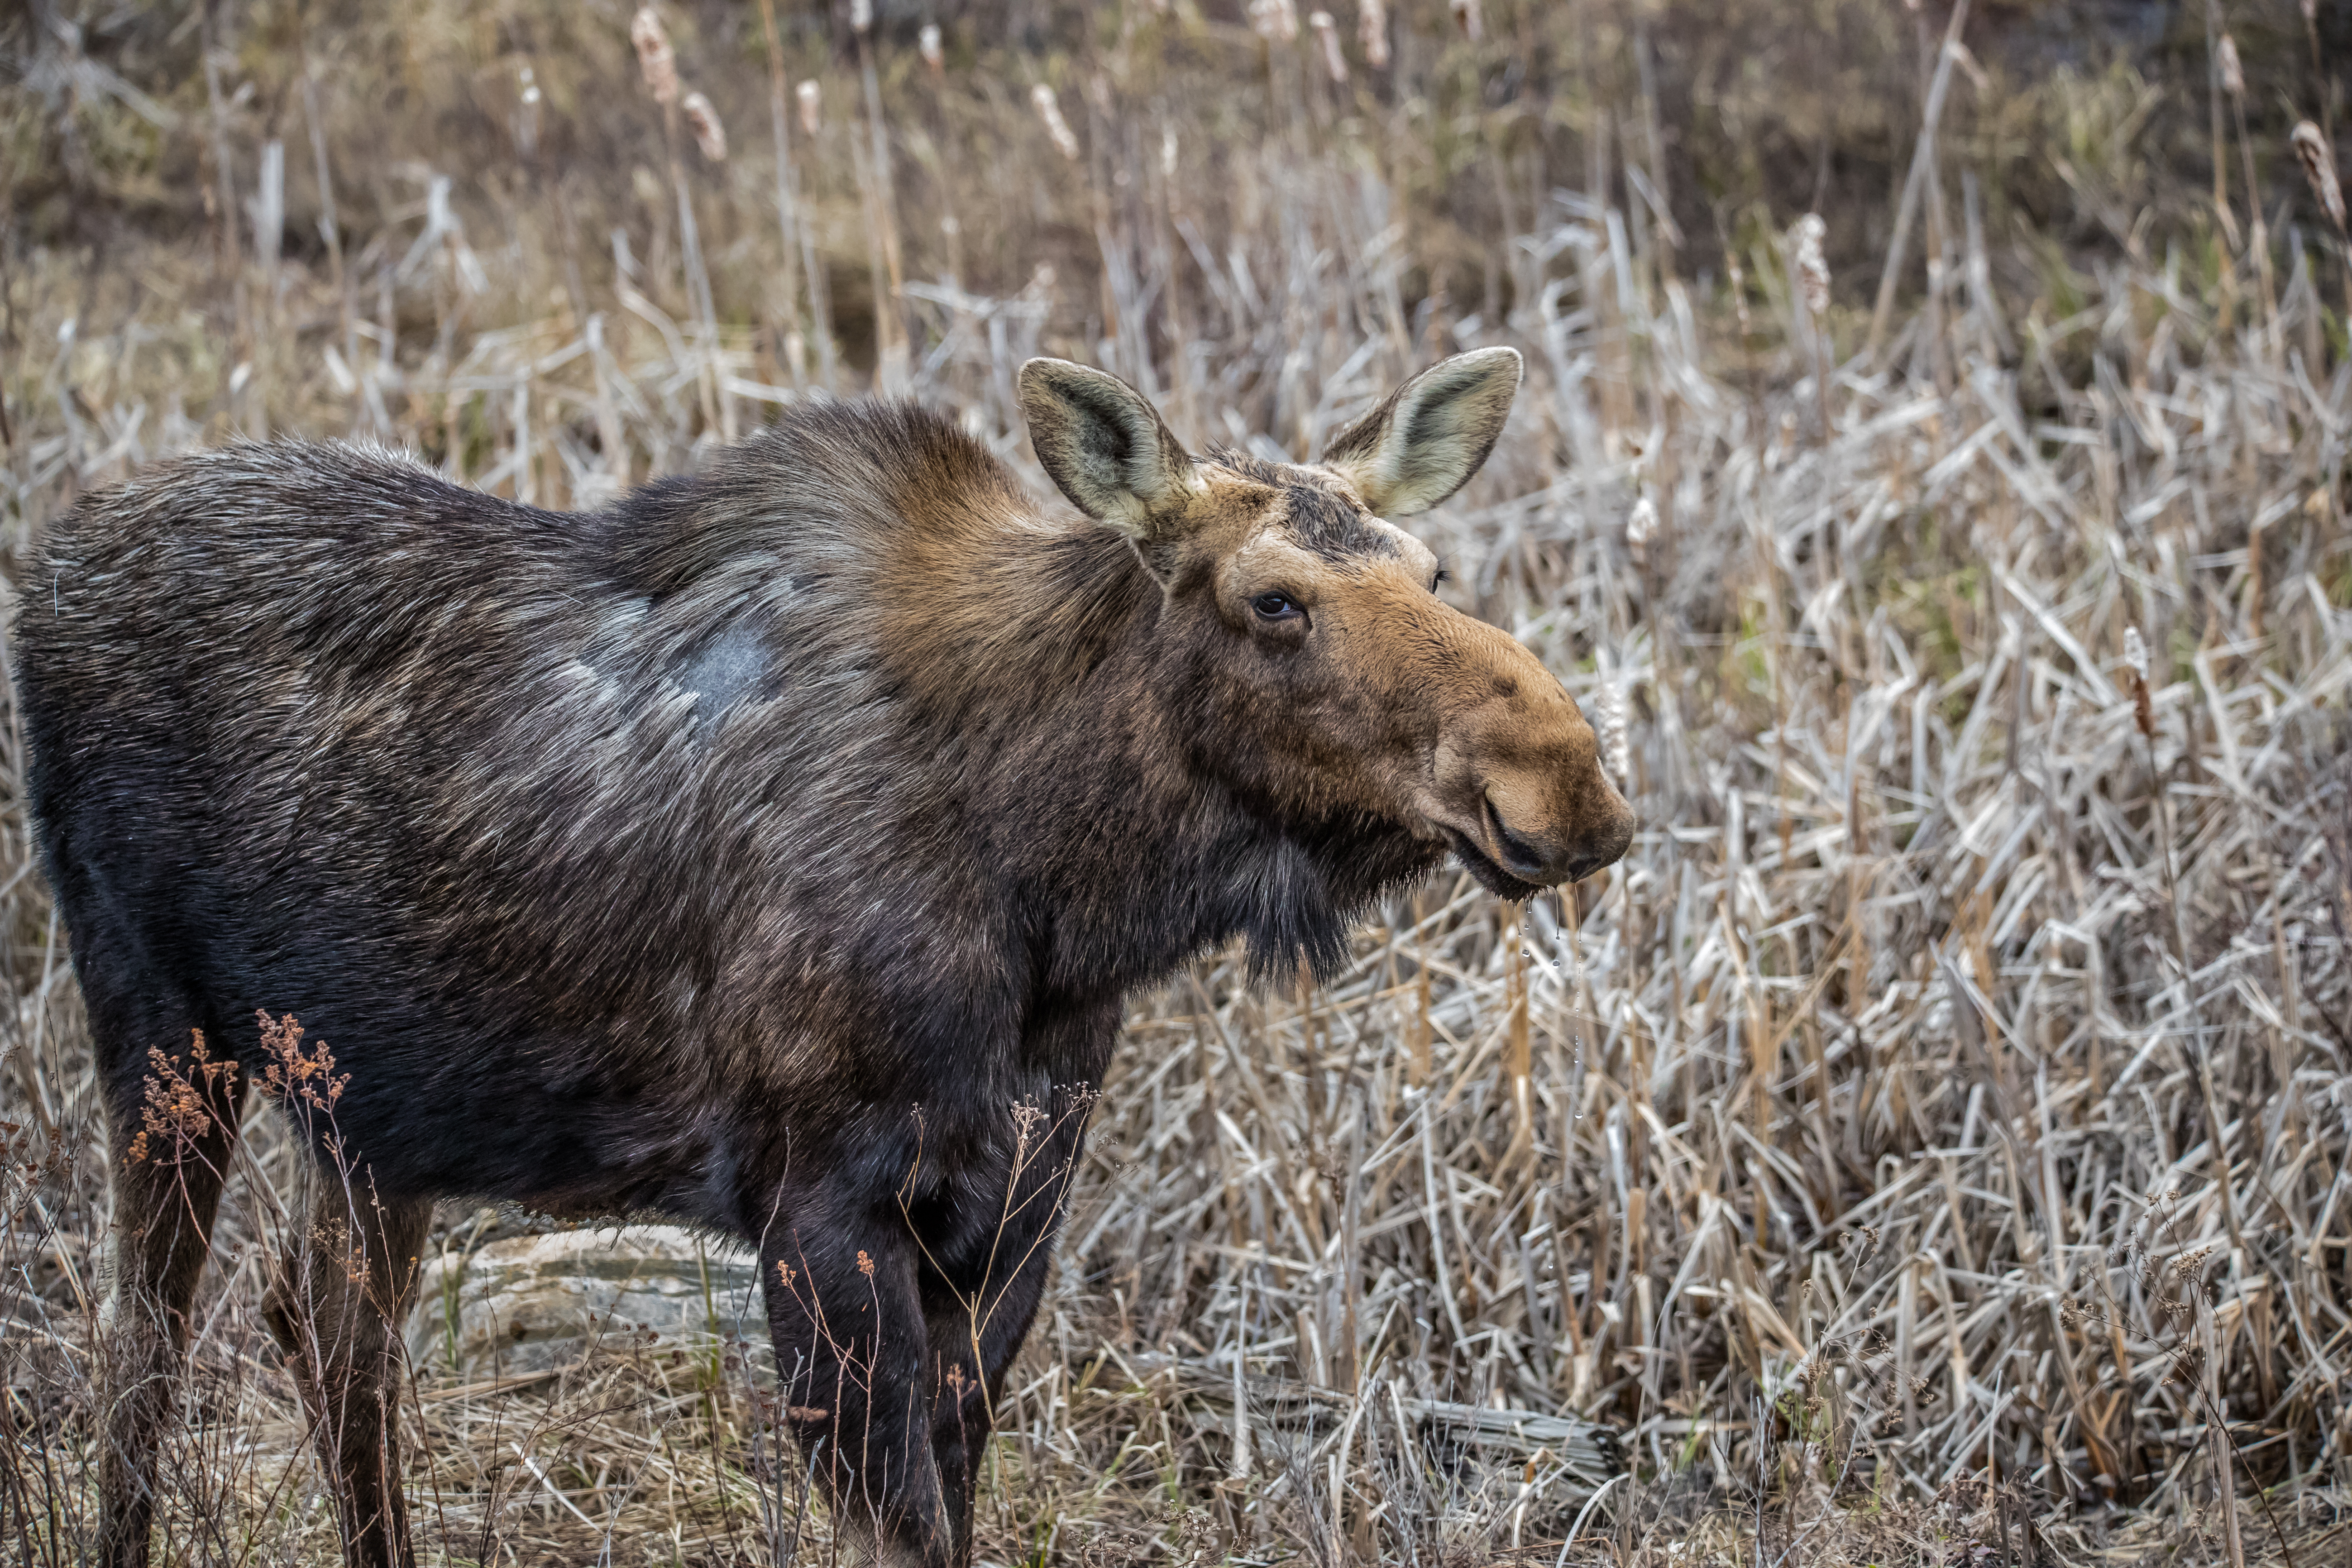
(1516, 852)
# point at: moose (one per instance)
(773, 850)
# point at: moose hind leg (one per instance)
(171, 1130)
(344, 1287)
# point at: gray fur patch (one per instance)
(730, 668)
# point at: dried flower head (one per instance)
(2136, 652)
(708, 134)
(2233, 74)
(1372, 32)
(2318, 161)
(653, 55)
(1467, 17)
(1327, 34)
(179, 1109)
(928, 42)
(861, 15)
(1049, 109)
(299, 1074)
(812, 102)
(1805, 236)
(1274, 20)
(865, 1263)
(2191, 1261)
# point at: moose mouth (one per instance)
(1486, 869)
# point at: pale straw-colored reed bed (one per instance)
(1923, 1147)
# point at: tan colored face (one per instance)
(1339, 684)
(1363, 690)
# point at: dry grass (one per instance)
(1919, 1150)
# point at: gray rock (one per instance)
(537, 1303)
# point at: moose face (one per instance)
(1329, 680)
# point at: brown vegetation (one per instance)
(1922, 1148)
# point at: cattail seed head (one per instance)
(526, 120)
(2135, 667)
(928, 42)
(1327, 34)
(1813, 273)
(708, 134)
(1274, 20)
(2318, 161)
(1372, 32)
(1641, 524)
(1467, 17)
(812, 102)
(2233, 73)
(653, 57)
(1616, 749)
(1049, 109)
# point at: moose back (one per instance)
(773, 850)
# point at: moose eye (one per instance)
(1275, 606)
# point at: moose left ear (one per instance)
(1431, 436)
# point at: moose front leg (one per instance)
(973, 1347)
(986, 1266)
(852, 1352)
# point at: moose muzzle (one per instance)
(1516, 789)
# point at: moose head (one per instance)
(1333, 677)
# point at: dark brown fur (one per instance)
(773, 851)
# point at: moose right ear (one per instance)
(1106, 446)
